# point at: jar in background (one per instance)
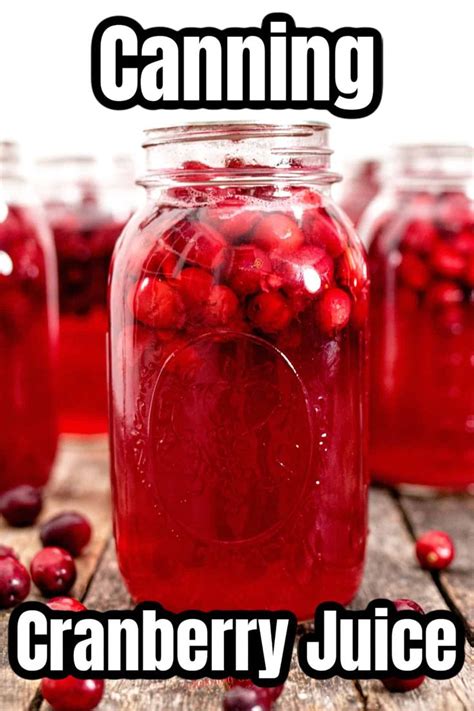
(28, 331)
(238, 306)
(360, 188)
(87, 211)
(421, 234)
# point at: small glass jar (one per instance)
(238, 306)
(28, 331)
(360, 188)
(87, 212)
(421, 234)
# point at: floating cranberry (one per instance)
(198, 243)
(71, 694)
(434, 550)
(222, 306)
(444, 293)
(161, 261)
(309, 270)
(447, 261)
(231, 217)
(404, 603)
(69, 530)
(270, 312)
(242, 698)
(420, 236)
(249, 269)
(278, 231)
(414, 272)
(21, 506)
(397, 685)
(469, 272)
(323, 230)
(332, 311)
(14, 582)
(66, 604)
(194, 286)
(157, 304)
(53, 571)
(464, 242)
(7, 552)
(454, 211)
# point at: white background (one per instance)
(47, 102)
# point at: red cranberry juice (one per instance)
(84, 243)
(28, 433)
(422, 326)
(237, 359)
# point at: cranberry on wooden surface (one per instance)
(71, 694)
(269, 312)
(157, 304)
(69, 530)
(270, 693)
(7, 552)
(404, 603)
(242, 698)
(21, 506)
(53, 571)
(278, 231)
(434, 550)
(332, 311)
(67, 604)
(14, 582)
(394, 684)
(414, 272)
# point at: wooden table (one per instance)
(80, 482)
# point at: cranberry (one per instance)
(447, 261)
(68, 604)
(194, 286)
(53, 571)
(270, 693)
(414, 272)
(198, 243)
(68, 530)
(420, 236)
(454, 211)
(332, 311)
(394, 684)
(270, 312)
(278, 231)
(434, 550)
(157, 304)
(308, 271)
(161, 261)
(222, 306)
(322, 230)
(469, 273)
(231, 217)
(14, 582)
(7, 552)
(71, 694)
(464, 242)
(242, 698)
(249, 269)
(404, 603)
(444, 293)
(21, 506)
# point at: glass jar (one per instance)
(28, 332)
(421, 233)
(360, 188)
(238, 306)
(87, 213)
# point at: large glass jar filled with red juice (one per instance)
(87, 211)
(28, 331)
(238, 306)
(421, 257)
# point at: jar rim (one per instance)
(229, 130)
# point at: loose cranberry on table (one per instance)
(69, 530)
(71, 694)
(404, 603)
(395, 684)
(7, 552)
(242, 698)
(14, 582)
(270, 693)
(66, 604)
(53, 571)
(21, 506)
(434, 550)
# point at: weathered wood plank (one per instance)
(455, 515)
(79, 482)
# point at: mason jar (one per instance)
(237, 351)
(421, 255)
(28, 331)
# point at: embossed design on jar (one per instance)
(229, 427)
